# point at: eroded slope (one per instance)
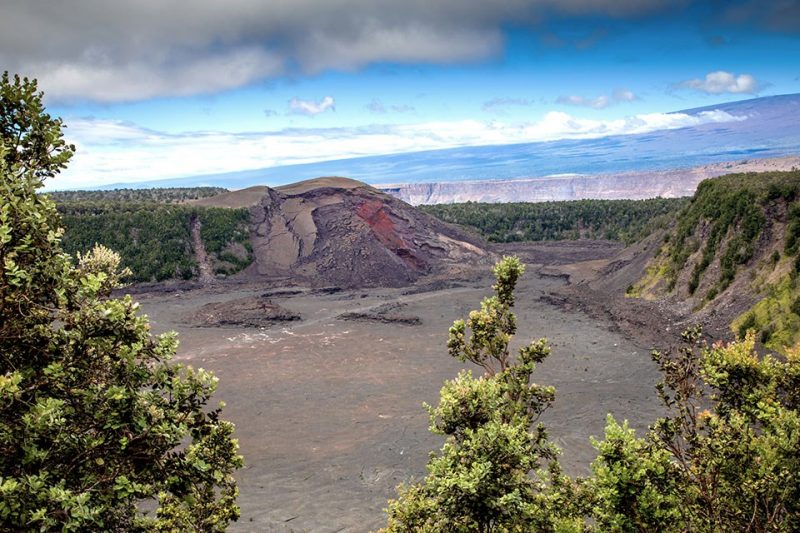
(336, 231)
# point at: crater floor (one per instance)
(329, 413)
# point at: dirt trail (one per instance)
(203, 263)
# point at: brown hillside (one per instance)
(338, 231)
(336, 182)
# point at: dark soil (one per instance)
(559, 252)
(282, 292)
(597, 288)
(340, 232)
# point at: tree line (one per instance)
(160, 195)
(618, 220)
(154, 239)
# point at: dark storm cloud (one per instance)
(138, 49)
(777, 15)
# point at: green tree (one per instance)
(96, 424)
(489, 474)
(635, 484)
(727, 456)
(104, 262)
(33, 139)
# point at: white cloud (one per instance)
(113, 152)
(137, 49)
(599, 102)
(377, 107)
(624, 95)
(500, 105)
(310, 107)
(720, 81)
(402, 108)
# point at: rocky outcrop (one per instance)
(336, 231)
(251, 311)
(391, 313)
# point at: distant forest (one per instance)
(151, 230)
(618, 220)
(167, 195)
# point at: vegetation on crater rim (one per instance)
(620, 220)
(735, 222)
(155, 239)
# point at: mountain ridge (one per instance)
(770, 131)
(629, 186)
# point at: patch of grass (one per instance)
(655, 275)
(776, 317)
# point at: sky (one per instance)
(153, 89)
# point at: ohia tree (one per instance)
(99, 430)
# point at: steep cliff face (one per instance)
(336, 231)
(735, 255)
(550, 188)
(632, 185)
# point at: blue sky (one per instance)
(201, 87)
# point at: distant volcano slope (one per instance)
(338, 231)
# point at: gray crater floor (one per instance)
(329, 414)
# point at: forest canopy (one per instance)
(618, 220)
(153, 233)
(163, 195)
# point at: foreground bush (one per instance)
(492, 472)
(96, 424)
(726, 457)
